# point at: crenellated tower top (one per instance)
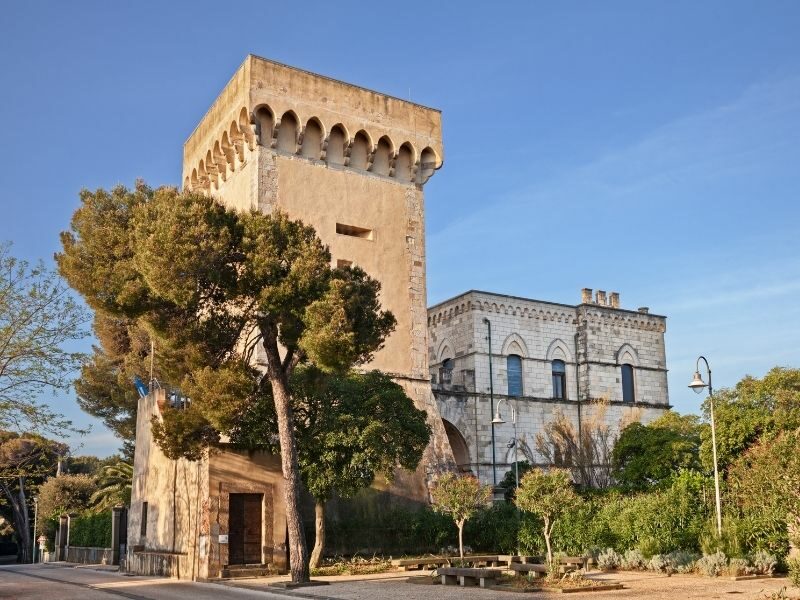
(298, 113)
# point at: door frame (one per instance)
(225, 491)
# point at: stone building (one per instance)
(590, 361)
(200, 519)
(352, 163)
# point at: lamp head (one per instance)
(697, 383)
(498, 420)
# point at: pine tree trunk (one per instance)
(298, 552)
(319, 540)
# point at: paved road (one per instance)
(53, 582)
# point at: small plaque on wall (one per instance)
(223, 539)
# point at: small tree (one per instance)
(38, 318)
(548, 495)
(459, 496)
(66, 493)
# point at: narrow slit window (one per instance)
(342, 263)
(354, 231)
(143, 528)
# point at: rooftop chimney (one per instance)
(613, 299)
(586, 296)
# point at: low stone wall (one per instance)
(160, 564)
(89, 556)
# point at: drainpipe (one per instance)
(491, 400)
(578, 392)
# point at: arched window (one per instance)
(514, 368)
(628, 387)
(403, 164)
(446, 371)
(383, 157)
(559, 380)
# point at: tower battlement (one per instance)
(298, 113)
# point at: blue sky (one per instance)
(647, 147)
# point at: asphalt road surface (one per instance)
(54, 582)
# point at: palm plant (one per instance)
(115, 486)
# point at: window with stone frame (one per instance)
(628, 384)
(514, 374)
(559, 380)
(446, 371)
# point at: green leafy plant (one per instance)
(764, 563)
(459, 496)
(633, 560)
(547, 495)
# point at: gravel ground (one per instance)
(637, 585)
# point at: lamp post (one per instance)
(697, 385)
(491, 400)
(498, 420)
(35, 519)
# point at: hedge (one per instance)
(91, 531)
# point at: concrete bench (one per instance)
(533, 569)
(539, 570)
(465, 577)
(579, 562)
(410, 564)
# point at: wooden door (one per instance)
(245, 529)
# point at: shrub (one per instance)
(712, 565)
(608, 559)
(660, 564)
(683, 561)
(764, 563)
(66, 493)
(494, 529)
(794, 571)
(91, 530)
(633, 561)
(739, 566)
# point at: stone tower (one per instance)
(350, 162)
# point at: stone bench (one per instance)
(410, 564)
(465, 577)
(539, 570)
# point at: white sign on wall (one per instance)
(223, 539)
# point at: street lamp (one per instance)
(35, 519)
(498, 420)
(491, 399)
(697, 385)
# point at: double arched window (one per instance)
(559, 380)
(514, 369)
(628, 387)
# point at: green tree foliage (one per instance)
(350, 428)
(753, 409)
(25, 461)
(213, 289)
(647, 455)
(65, 494)
(509, 481)
(113, 486)
(764, 486)
(547, 495)
(460, 496)
(38, 318)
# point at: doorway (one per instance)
(245, 529)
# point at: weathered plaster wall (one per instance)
(176, 492)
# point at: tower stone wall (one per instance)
(350, 162)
